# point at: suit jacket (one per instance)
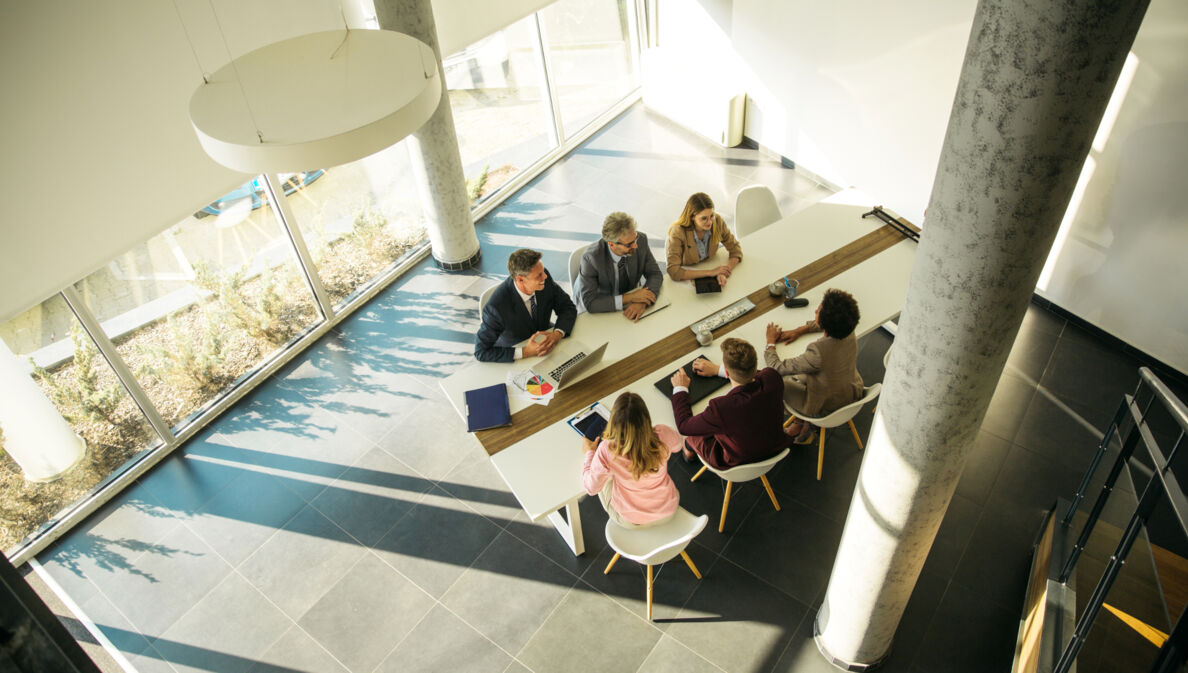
(507, 322)
(681, 247)
(747, 422)
(595, 287)
(828, 368)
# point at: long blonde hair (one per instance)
(632, 436)
(696, 203)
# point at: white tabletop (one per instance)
(544, 470)
(768, 254)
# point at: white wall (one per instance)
(860, 93)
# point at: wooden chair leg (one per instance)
(790, 421)
(725, 504)
(699, 473)
(689, 562)
(611, 564)
(649, 593)
(820, 452)
(858, 439)
(770, 493)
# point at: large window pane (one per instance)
(84, 389)
(196, 307)
(591, 55)
(360, 218)
(500, 106)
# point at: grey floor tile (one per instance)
(151, 661)
(185, 480)
(672, 582)
(508, 592)
(478, 485)
(226, 631)
(670, 656)
(433, 439)
(165, 581)
(735, 634)
(442, 642)
(298, 564)
(968, 635)
(245, 514)
(371, 496)
(576, 634)
(295, 651)
(436, 542)
(114, 626)
(361, 618)
(544, 538)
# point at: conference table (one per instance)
(828, 244)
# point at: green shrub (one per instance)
(474, 186)
(263, 316)
(81, 394)
(185, 362)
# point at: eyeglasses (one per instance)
(630, 244)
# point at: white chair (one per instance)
(840, 417)
(655, 544)
(575, 264)
(755, 207)
(741, 473)
(485, 297)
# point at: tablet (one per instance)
(591, 421)
(706, 284)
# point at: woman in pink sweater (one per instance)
(628, 469)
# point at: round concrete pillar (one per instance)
(35, 434)
(436, 162)
(1035, 81)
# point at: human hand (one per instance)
(535, 345)
(680, 378)
(773, 333)
(722, 279)
(703, 367)
(589, 445)
(723, 270)
(552, 338)
(634, 311)
(788, 336)
(640, 295)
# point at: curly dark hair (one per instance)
(740, 359)
(839, 313)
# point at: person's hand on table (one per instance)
(541, 343)
(722, 279)
(680, 378)
(703, 367)
(640, 295)
(723, 270)
(589, 445)
(552, 338)
(634, 311)
(773, 333)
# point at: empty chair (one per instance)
(575, 264)
(740, 473)
(755, 207)
(485, 297)
(840, 417)
(655, 544)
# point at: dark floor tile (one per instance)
(670, 656)
(734, 634)
(1008, 406)
(361, 618)
(953, 535)
(985, 459)
(508, 592)
(226, 631)
(442, 642)
(1088, 375)
(672, 582)
(185, 480)
(245, 514)
(996, 559)
(705, 496)
(917, 620)
(371, 496)
(1057, 431)
(796, 476)
(575, 636)
(436, 542)
(968, 634)
(478, 485)
(1034, 344)
(544, 538)
(309, 547)
(296, 650)
(792, 549)
(1031, 479)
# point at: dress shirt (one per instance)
(618, 290)
(702, 243)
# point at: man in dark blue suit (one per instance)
(521, 307)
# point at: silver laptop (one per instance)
(567, 364)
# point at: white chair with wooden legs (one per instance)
(485, 297)
(838, 418)
(575, 263)
(755, 207)
(655, 544)
(741, 473)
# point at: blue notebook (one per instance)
(487, 408)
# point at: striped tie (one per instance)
(532, 306)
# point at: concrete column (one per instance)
(436, 162)
(35, 434)
(1035, 81)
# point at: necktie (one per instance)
(532, 306)
(624, 283)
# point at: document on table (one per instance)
(527, 385)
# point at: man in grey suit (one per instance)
(619, 272)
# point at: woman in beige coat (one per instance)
(695, 238)
(825, 377)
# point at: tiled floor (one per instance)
(341, 519)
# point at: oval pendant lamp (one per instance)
(316, 100)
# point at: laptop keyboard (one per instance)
(556, 373)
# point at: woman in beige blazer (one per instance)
(699, 223)
(825, 377)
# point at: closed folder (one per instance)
(487, 408)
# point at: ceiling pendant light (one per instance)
(316, 100)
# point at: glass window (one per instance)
(358, 219)
(85, 391)
(206, 301)
(592, 56)
(500, 107)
